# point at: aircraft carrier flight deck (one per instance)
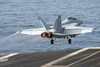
(84, 57)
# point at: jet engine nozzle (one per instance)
(48, 35)
(43, 35)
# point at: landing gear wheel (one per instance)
(69, 41)
(52, 41)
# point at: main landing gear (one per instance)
(69, 40)
(52, 41)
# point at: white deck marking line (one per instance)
(3, 60)
(62, 58)
(94, 47)
(83, 59)
(7, 56)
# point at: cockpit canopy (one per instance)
(72, 18)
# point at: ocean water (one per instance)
(16, 15)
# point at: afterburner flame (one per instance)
(48, 35)
(43, 35)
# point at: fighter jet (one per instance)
(68, 28)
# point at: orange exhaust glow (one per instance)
(43, 35)
(48, 35)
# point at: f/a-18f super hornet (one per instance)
(67, 28)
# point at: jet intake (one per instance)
(48, 35)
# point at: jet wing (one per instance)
(77, 30)
(36, 31)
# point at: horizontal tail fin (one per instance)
(45, 25)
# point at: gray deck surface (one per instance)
(37, 59)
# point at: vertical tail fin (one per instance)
(45, 25)
(58, 24)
